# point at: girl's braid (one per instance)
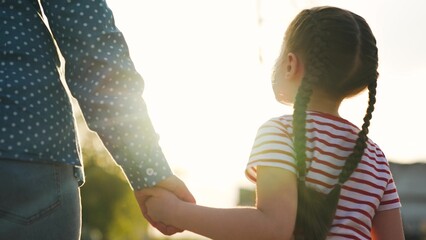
(368, 71)
(315, 70)
(314, 212)
(361, 143)
(299, 125)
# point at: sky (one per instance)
(207, 67)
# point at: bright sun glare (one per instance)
(207, 67)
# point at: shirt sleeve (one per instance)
(273, 147)
(390, 199)
(102, 77)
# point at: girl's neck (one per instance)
(322, 102)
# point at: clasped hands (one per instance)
(165, 195)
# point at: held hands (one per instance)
(161, 205)
(178, 190)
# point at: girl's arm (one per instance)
(273, 218)
(388, 225)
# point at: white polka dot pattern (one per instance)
(36, 122)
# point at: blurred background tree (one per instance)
(109, 209)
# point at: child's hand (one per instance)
(161, 204)
(177, 187)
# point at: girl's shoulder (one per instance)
(325, 117)
(315, 116)
(283, 122)
(315, 120)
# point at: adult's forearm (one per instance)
(102, 77)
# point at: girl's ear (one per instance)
(294, 67)
(287, 78)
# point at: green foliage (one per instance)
(109, 208)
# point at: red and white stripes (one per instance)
(330, 140)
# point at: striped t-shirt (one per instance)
(330, 140)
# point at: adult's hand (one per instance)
(177, 187)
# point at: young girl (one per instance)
(317, 175)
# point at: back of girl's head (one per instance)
(339, 54)
(337, 48)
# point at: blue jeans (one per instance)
(39, 201)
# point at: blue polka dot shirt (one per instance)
(36, 120)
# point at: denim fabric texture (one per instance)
(39, 201)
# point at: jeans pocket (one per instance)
(29, 191)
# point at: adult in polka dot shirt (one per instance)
(40, 164)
